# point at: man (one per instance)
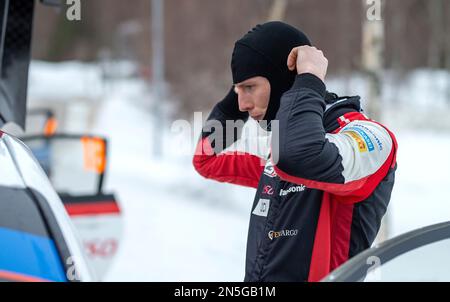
(326, 185)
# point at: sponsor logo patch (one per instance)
(283, 233)
(268, 190)
(269, 169)
(262, 208)
(361, 144)
(293, 189)
(377, 140)
(360, 136)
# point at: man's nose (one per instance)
(245, 104)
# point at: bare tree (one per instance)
(372, 57)
(278, 10)
(372, 62)
(447, 46)
(437, 33)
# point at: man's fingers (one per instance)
(292, 59)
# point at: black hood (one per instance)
(263, 51)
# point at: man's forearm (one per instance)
(302, 142)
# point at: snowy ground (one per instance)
(180, 227)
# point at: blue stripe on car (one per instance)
(30, 254)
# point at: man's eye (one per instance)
(248, 87)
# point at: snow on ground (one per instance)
(181, 227)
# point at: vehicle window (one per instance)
(426, 263)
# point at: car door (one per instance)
(420, 255)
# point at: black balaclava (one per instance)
(263, 51)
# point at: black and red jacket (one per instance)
(321, 192)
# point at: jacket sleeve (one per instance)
(348, 163)
(223, 154)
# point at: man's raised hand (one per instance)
(308, 59)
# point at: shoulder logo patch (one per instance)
(269, 170)
(360, 136)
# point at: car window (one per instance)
(427, 263)
(419, 255)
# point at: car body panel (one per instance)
(419, 255)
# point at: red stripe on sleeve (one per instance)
(239, 168)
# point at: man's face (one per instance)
(253, 96)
